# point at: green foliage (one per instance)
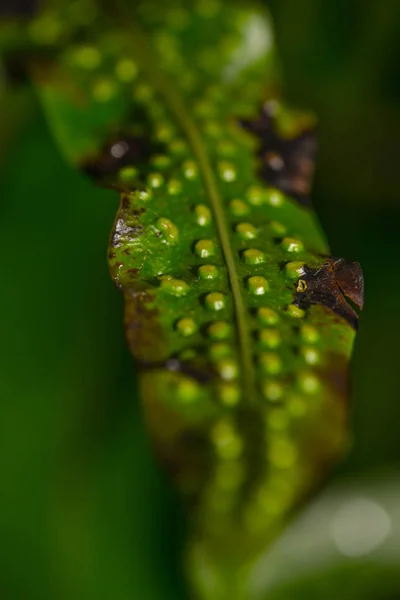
(233, 311)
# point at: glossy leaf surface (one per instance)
(238, 319)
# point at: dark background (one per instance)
(84, 513)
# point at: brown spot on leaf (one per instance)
(119, 152)
(286, 163)
(142, 327)
(336, 373)
(332, 285)
(350, 279)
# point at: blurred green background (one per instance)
(84, 512)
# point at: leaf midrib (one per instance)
(142, 53)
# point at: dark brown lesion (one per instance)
(120, 151)
(338, 285)
(287, 163)
(350, 280)
(130, 145)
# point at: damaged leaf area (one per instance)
(287, 150)
(240, 324)
(335, 285)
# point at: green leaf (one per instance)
(241, 324)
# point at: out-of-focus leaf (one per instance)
(346, 543)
